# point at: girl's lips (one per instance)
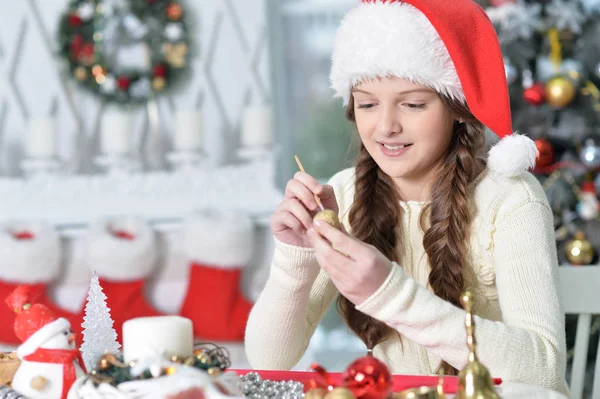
(394, 152)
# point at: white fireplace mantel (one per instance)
(162, 198)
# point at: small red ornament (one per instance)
(159, 70)
(124, 235)
(123, 83)
(368, 378)
(536, 94)
(24, 235)
(174, 11)
(545, 153)
(74, 20)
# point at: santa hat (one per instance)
(35, 323)
(448, 45)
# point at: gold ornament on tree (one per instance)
(474, 380)
(175, 54)
(579, 250)
(560, 91)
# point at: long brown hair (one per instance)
(376, 213)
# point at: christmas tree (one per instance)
(552, 60)
(99, 336)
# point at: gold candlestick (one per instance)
(474, 380)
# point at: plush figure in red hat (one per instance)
(29, 254)
(123, 253)
(50, 363)
(218, 246)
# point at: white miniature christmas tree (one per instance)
(99, 336)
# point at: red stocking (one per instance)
(123, 253)
(29, 254)
(218, 245)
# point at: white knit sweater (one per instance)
(520, 320)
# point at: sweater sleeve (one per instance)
(529, 344)
(295, 299)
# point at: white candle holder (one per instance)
(41, 149)
(186, 161)
(256, 135)
(117, 164)
(41, 166)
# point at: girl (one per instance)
(425, 217)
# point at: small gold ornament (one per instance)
(175, 54)
(170, 370)
(158, 83)
(560, 91)
(316, 393)
(474, 380)
(329, 217)
(418, 393)
(214, 371)
(580, 250)
(202, 357)
(340, 393)
(80, 73)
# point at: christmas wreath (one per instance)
(125, 50)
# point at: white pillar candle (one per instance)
(115, 133)
(257, 127)
(188, 130)
(145, 337)
(41, 138)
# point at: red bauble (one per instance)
(74, 20)
(545, 153)
(536, 94)
(368, 378)
(159, 70)
(123, 83)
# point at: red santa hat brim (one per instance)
(38, 338)
(449, 46)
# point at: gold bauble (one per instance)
(579, 250)
(80, 73)
(175, 54)
(340, 393)
(315, 393)
(418, 393)
(158, 83)
(560, 91)
(329, 217)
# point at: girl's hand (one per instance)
(357, 269)
(293, 216)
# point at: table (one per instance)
(510, 390)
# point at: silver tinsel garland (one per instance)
(254, 387)
(9, 393)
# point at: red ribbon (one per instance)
(66, 357)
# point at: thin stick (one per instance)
(302, 170)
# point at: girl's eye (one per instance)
(366, 106)
(415, 106)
